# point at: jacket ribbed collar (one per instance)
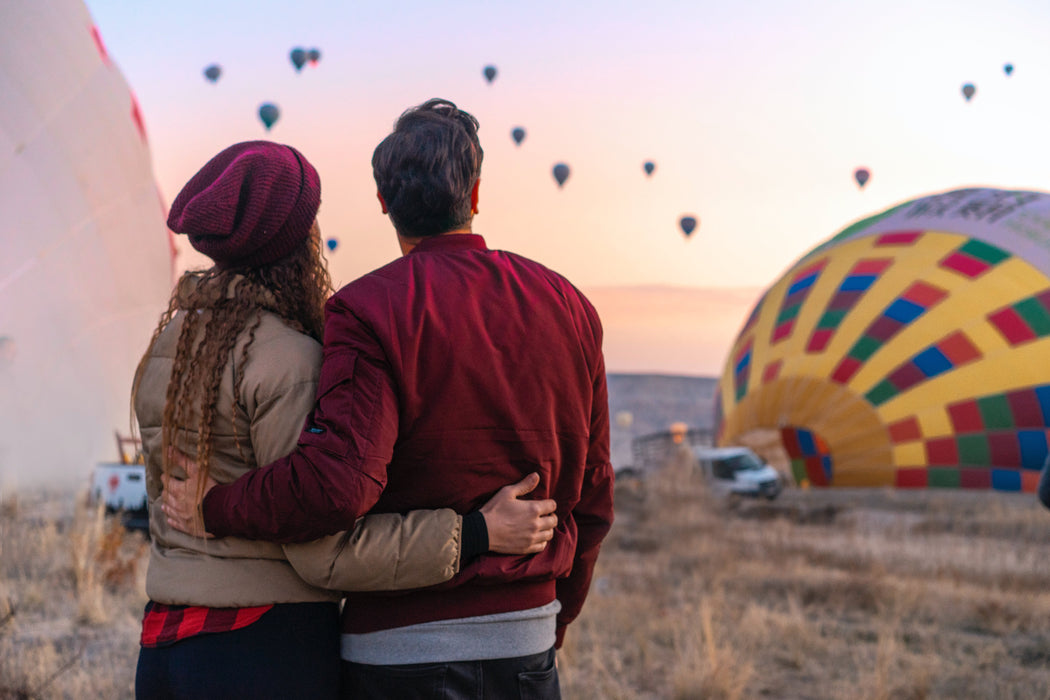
(447, 242)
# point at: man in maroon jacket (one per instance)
(447, 374)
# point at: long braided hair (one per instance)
(294, 288)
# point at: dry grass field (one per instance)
(820, 594)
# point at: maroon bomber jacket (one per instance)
(448, 374)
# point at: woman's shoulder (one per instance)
(282, 351)
(273, 329)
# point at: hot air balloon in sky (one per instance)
(1008, 69)
(561, 173)
(314, 55)
(332, 244)
(688, 225)
(518, 134)
(269, 114)
(649, 166)
(213, 72)
(909, 350)
(968, 91)
(861, 175)
(79, 297)
(298, 57)
(489, 72)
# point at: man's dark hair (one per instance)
(426, 169)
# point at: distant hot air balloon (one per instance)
(332, 244)
(968, 90)
(269, 114)
(314, 55)
(688, 224)
(298, 57)
(213, 72)
(649, 167)
(861, 175)
(561, 173)
(518, 134)
(1008, 69)
(489, 73)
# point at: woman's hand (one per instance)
(181, 506)
(519, 526)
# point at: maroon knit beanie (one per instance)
(251, 205)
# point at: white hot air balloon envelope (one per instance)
(86, 262)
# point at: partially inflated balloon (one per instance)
(314, 55)
(968, 90)
(213, 72)
(298, 57)
(561, 173)
(332, 244)
(649, 167)
(688, 225)
(269, 114)
(83, 245)
(909, 350)
(1008, 69)
(861, 175)
(490, 73)
(518, 134)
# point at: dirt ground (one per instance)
(819, 594)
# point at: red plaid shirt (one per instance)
(163, 625)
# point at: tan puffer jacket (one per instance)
(383, 552)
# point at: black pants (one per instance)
(526, 677)
(290, 652)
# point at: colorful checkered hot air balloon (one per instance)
(910, 350)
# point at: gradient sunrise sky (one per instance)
(756, 115)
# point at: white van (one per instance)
(122, 485)
(738, 470)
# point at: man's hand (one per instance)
(517, 526)
(180, 503)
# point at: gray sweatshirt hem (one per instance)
(500, 636)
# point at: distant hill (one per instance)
(655, 401)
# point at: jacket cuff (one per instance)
(213, 512)
(475, 537)
(559, 636)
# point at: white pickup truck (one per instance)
(122, 485)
